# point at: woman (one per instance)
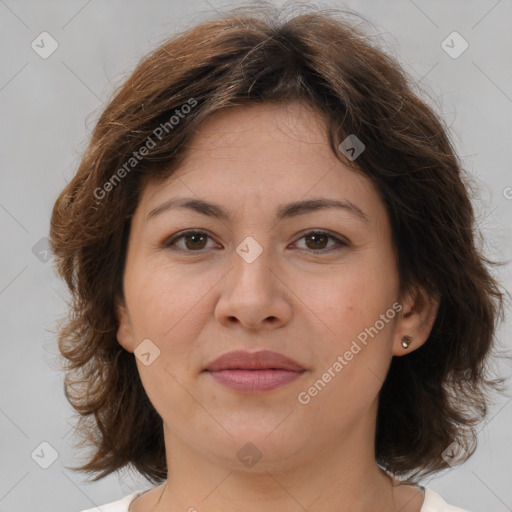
(278, 300)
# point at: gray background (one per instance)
(48, 107)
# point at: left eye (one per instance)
(320, 237)
(195, 241)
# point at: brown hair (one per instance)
(433, 396)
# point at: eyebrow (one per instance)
(283, 212)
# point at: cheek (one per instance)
(352, 298)
(170, 309)
(354, 357)
(160, 298)
(166, 309)
(350, 305)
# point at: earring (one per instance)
(406, 341)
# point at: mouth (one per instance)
(254, 372)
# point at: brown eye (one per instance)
(196, 241)
(193, 241)
(316, 241)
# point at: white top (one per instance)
(433, 503)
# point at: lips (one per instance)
(254, 372)
(262, 360)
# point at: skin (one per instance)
(306, 299)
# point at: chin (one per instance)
(265, 447)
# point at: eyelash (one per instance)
(171, 241)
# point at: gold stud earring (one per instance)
(406, 341)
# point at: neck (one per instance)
(343, 477)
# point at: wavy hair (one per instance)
(431, 397)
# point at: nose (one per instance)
(254, 295)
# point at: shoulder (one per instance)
(116, 506)
(434, 503)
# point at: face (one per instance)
(308, 284)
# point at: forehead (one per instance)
(292, 121)
(263, 154)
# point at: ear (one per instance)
(124, 329)
(419, 311)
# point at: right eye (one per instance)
(193, 241)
